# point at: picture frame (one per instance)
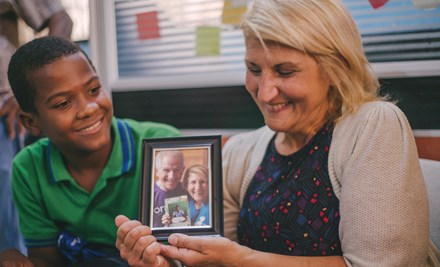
(181, 186)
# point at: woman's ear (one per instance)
(30, 122)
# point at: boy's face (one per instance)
(73, 110)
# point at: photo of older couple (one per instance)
(181, 188)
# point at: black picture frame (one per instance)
(196, 150)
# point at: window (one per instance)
(168, 44)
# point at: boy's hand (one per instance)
(136, 244)
(13, 258)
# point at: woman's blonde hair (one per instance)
(200, 170)
(326, 31)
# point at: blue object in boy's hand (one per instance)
(75, 249)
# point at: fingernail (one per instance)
(172, 239)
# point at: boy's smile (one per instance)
(91, 129)
(73, 109)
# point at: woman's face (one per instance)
(198, 187)
(287, 86)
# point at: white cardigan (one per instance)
(375, 172)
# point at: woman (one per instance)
(333, 179)
(195, 180)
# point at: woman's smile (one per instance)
(277, 107)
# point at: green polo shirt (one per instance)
(49, 200)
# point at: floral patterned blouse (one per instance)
(290, 207)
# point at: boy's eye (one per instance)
(95, 90)
(62, 105)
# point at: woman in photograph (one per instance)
(195, 181)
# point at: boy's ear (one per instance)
(30, 123)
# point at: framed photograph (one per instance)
(181, 186)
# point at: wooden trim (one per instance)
(428, 147)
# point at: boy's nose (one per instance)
(88, 109)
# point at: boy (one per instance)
(69, 186)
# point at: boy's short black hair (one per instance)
(31, 57)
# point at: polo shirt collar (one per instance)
(121, 161)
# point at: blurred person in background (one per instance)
(38, 15)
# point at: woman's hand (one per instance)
(204, 251)
(136, 244)
(220, 251)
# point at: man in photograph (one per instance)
(169, 167)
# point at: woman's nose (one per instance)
(267, 88)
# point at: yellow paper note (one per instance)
(207, 41)
(232, 11)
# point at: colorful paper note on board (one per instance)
(377, 3)
(207, 41)
(147, 25)
(426, 4)
(233, 10)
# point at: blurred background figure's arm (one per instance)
(60, 25)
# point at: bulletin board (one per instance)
(189, 40)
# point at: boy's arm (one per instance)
(36, 225)
(13, 257)
(46, 256)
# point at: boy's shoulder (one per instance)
(32, 154)
(150, 129)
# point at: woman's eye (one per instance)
(285, 73)
(254, 70)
